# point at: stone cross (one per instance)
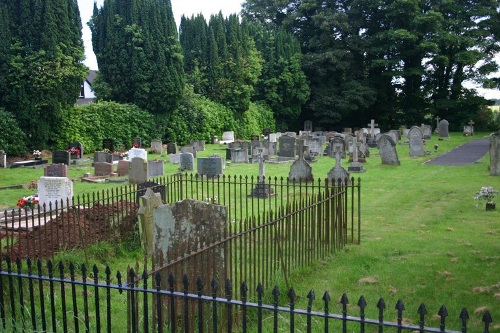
(338, 156)
(262, 169)
(437, 121)
(355, 146)
(471, 123)
(300, 148)
(372, 128)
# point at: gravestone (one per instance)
(469, 129)
(175, 158)
(188, 149)
(156, 168)
(272, 137)
(149, 201)
(138, 170)
(136, 142)
(103, 169)
(416, 142)
(335, 144)
(156, 146)
(427, 131)
(123, 167)
(3, 159)
(75, 149)
(437, 125)
(338, 173)
(372, 125)
(157, 188)
(239, 155)
(215, 139)
(137, 152)
(286, 147)
(495, 153)
(187, 162)
(61, 156)
(103, 157)
(108, 144)
(315, 146)
(198, 145)
(443, 129)
(387, 150)
(54, 189)
(300, 170)
(308, 126)
(171, 148)
(227, 137)
(261, 189)
(56, 170)
(395, 134)
(355, 166)
(210, 166)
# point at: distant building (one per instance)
(86, 93)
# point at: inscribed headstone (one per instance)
(175, 158)
(156, 146)
(56, 170)
(338, 173)
(495, 153)
(137, 152)
(239, 155)
(272, 137)
(61, 156)
(210, 166)
(103, 169)
(171, 148)
(443, 129)
(427, 132)
(300, 170)
(187, 161)
(416, 142)
(138, 170)
(356, 165)
(188, 149)
(286, 146)
(100, 156)
(198, 145)
(156, 168)
(387, 149)
(54, 189)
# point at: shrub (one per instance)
(257, 118)
(12, 138)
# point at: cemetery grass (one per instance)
(424, 239)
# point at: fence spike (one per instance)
(61, 267)
(214, 284)
(464, 315)
(311, 296)
(171, 281)
(344, 300)
(229, 289)
(276, 292)
(119, 278)
(422, 311)
(381, 304)
(95, 270)
(199, 284)
(292, 295)
(362, 302)
(260, 289)
(487, 319)
(244, 290)
(400, 306)
(185, 283)
(326, 297)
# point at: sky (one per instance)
(206, 7)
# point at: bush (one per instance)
(257, 118)
(12, 138)
(91, 123)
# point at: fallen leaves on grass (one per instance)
(489, 289)
(368, 280)
(481, 309)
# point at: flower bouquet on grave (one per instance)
(29, 202)
(74, 151)
(487, 193)
(37, 154)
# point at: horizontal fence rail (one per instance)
(50, 299)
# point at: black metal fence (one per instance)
(51, 299)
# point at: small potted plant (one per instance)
(487, 193)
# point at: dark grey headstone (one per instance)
(239, 155)
(416, 138)
(108, 144)
(187, 162)
(387, 149)
(171, 148)
(210, 166)
(286, 146)
(100, 156)
(61, 156)
(443, 129)
(198, 145)
(156, 168)
(56, 170)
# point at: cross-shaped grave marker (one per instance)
(372, 128)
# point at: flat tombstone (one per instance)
(101, 156)
(54, 189)
(387, 149)
(443, 129)
(61, 156)
(175, 158)
(416, 142)
(108, 144)
(198, 145)
(156, 146)
(56, 170)
(189, 149)
(156, 168)
(495, 153)
(308, 126)
(239, 155)
(155, 187)
(287, 146)
(210, 166)
(171, 148)
(138, 170)
(137, 142)
(227, 137)
(137, 152)
(103, 169)
(187, 161)
(3, 159)
(123, 167)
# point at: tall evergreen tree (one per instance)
(138, 54)
(41, 61)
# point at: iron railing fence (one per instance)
(51, 299)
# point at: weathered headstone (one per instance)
(149, 201)
(416, 142)
(286, 147)
(469, 129)
(123, 167)
(156, 168)
(188, 149)
(138, 170)
(210, 166)
(227, 137)
(315, 146)
(108, 144)
(395, 134)
(100, 156)
(387, 149)
(61, 156)
(300, 170)
(239, 155)
(3, 159)
(336, 143)
(156, 146)
(54, 189)
(198, 145)
(175, 158)
(157, 188)
(495, 153)
(427, 131)
(272, 137)
(103, 169)
(56, 170)
(137, 152)
(187, 162)
(338, 173)
(308, 126)
(443, 129)
(355, 166)
(171, 148)
(136, 142)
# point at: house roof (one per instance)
(90, 78)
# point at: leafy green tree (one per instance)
(13, 141)
(139, 55)
(41, 57)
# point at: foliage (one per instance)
(258, 117)
(91, 123)
(139, 55)
(486, 193)
(12, 139)
(41, 55)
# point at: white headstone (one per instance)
(175, 158)
(227, 137)
(137, 152)
(273, 137)
(54, 189)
